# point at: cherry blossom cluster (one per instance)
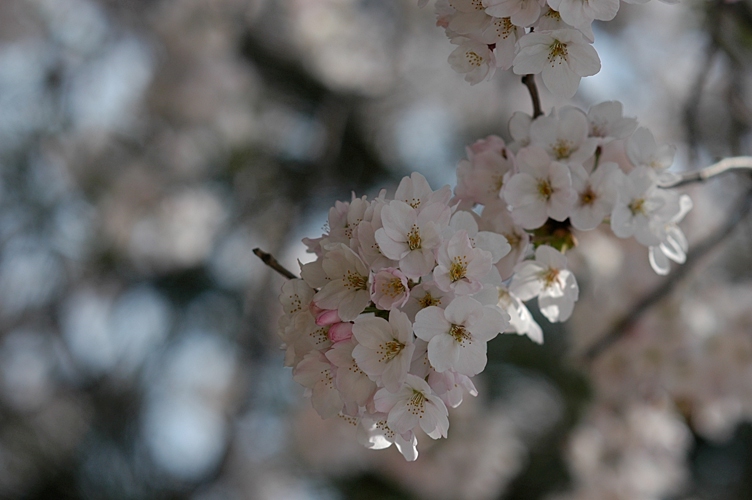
(390, 322)
(552, 38)
(575, 170)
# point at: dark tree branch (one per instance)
(693, 257)
(529, 82)
(270, 261)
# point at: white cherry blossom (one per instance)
(490, 241)
(375, 434)
(596, 194)
(521, 12)
(390, 289)
(457, 335)
(548, 278)
(385, 348)
(607, 123)
(352, 383)
(451, 386)
(460, 267)
(581, 14)
(540, 190)
(642, 209)
(473, 59)
(643, 151)
(562, 57)
(347, 286)
(316, 373)
(496, 218)
(481, 177)
(410, 236)
(414, 405)
(564, 137)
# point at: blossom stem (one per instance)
(622, 326)
(723, 166)
(529, 82)
(270, 261)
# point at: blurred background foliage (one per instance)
(147, 146)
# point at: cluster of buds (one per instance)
(552, 38)
(390, 323)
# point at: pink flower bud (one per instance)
(340, 331)
(327, 317)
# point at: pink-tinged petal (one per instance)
(525, 282)
(401, 326)
(443, 352)
(384, 400)
(521, 189)
(464, 311)
(471, 359)
(531, 216)
(490, 325)
(430, 322)
(561, 80)
(530, 59)
(372, 331)
(395, 371)
(435, 421)
(400, 419)
(417, 263)
(494, 243)
(390, 248)
(354, 304)
(398, 218)
(583, 59)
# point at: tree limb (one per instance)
(529, 82)
(723, 166)
(270, 261)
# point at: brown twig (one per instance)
(693, 257)
(723, 166)
(529, 82)
(270, 261)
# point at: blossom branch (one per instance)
(693, 257)
(529, 82)
(270, 261)
(723, 166)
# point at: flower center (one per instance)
(473, 59)
(354, 281)
(460, 334)
(562, 149)
(413, 238)
(545, 189)
(389, 350)
(428, 301)
(588, 197)
(557, 50)
(637, 206)
(550, 276)
(497, 182)
(416, 403)
(504, 27)
(458, 268)
(513, 239)
(393, 288)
